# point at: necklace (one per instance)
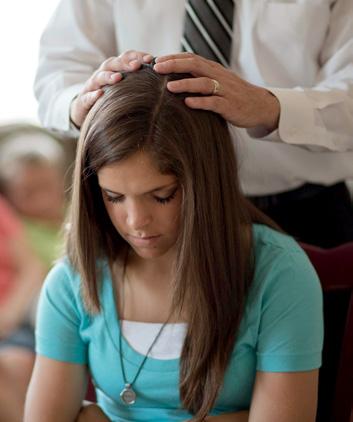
(128, 395)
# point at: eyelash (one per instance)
(163, 201)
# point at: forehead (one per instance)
(28, 172)
(136, 174)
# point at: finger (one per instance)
(201, 85)
(129, 63)
(122, 62)
(212, 103)
(182, 55)
(133, 55)
(195, 66)
(135, 64)
(100, 79)
(132, 64)
(87, 100)
(147, 58)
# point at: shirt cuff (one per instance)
(288, 363)
(62, 351)
(297, 124)
(61, 110)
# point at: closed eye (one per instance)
(166, 199)
(159, 199)
(115, 199)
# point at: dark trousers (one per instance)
(314, 214)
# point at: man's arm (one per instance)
(320, 116)
(78, 38)
(317, 117)
(78, 57)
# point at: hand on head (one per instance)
(107, 74)
(237, 101)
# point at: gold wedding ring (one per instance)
(216, 87)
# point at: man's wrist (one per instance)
(72, 122)
(272, 112)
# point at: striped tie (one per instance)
(208, 29)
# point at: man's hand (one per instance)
(239, 102)
(108, 73)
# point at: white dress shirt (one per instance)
(301, 50)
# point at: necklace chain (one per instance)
(127, 394)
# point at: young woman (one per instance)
(179, 298)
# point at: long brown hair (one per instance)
(214, 264)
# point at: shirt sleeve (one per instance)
(60, 316)
(319, 118)
(290, 336)
(78, 38)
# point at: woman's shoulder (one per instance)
(64, 280)
(63, 269)
(268, 239)
(274, 248)
(284, 305)
(280, 260)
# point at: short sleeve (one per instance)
(60, 317)
(290, 336)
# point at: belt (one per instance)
(305, 191)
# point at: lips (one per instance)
(143, 241)
(142, 237)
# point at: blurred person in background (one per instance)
(32, 179)
(21, 276)
(284, 84)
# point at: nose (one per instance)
(138, 216)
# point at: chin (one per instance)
(149, 253)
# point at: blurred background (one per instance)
(21, 24)
(34, 179)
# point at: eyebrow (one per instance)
(170, 185)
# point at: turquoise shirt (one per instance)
(281, 331)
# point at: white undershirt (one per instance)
(140, 336)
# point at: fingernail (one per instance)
(147, 58)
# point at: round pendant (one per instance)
(128, 395)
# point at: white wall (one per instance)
(21, 24)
